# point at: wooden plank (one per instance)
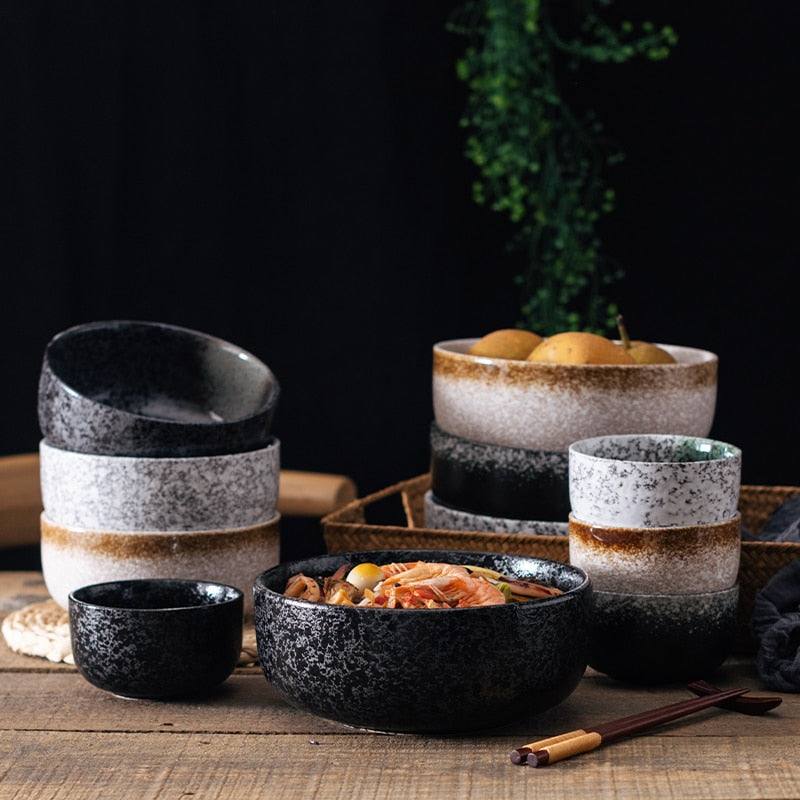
(63, 700)
(45, 764)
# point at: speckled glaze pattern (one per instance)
(662, 638)
(497, 480)
(425, 671)
(654, 480)
(440, 516)
(135, 388)
(671, 560)
(156, 639)
(74, 557)
(128, 493)
(549, 406)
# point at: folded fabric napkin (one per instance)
(784, 523)
(776, 625)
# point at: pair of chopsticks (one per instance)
(566, 745)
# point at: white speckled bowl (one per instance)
(74, 557)
(129, 493)
(671, 560)
(440, 516)
(549, 406)
(654, 480)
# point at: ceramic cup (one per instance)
(654, 480)
(157, 639)
(667, 560)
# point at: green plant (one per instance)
(539, 162)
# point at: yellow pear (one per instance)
(580, 347)
(648, 353)
(643, 352)
(506, 343)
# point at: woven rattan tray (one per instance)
(394, 518)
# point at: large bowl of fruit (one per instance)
(517, 389)
(430, 641)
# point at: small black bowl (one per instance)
(425, 670)
(132, 388)
(662, 638)
(158, 638)
(499, 481)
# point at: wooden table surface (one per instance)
(61, 737)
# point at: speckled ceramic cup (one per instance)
(548, 406)
(156, 639)
(654, 480)
(499, 481)
(441, 516)
(662, 638)
(136, 388)
(425, 670)
(670, 560)
(129, 493)
(73, 557)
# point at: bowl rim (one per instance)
(260, 586)
(695, 356)
(231, 594)
(268, 403)
(729, 452)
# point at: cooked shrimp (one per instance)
(434, 585)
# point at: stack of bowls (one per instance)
(655, 524)
(157, 458)
(502, 428)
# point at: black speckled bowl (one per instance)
(499, 481)
(131, 388)
(156, 639)
(662, 638)
(428, 670)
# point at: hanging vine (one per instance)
(538, 162)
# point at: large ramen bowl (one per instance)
(132, 388)
(425, 670)
(540, 406)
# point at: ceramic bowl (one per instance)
(654, 480)
(661, 638)
(74, 557)
(137, 493)
(131, 388)
(540, 406)
(497, 480)
(671, 560)
(156, 638)
(441, 516)
(424, 670)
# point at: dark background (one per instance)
(289, 176)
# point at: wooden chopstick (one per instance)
(754, 706)
(565, 745)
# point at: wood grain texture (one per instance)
(61, 737)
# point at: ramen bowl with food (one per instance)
(423, 641)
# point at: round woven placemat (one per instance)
(42, 630)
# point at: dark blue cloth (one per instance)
(784, 524)
(776, 625)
